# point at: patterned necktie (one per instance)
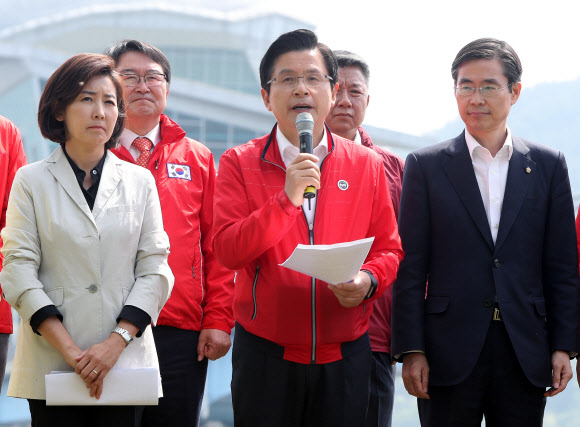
(144, 145)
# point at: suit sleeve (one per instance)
(578, 252)
(219, 281)
(241, 235)
(153, 277)
(560, 264)
(578, 234)
(22, 253)
(410, 287)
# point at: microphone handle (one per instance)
(306, 147)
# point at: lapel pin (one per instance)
(528, 170)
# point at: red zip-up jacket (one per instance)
(257, 228)
(11, 158)
(184, 171)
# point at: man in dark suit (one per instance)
(487, 225)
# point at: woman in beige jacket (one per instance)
(85, 254)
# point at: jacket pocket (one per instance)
(436, 304)
(254, 292)
(540, 305)
(197, 278)
(121, 209)
(56, 295)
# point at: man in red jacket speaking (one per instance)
(196, 321)
(301, 352)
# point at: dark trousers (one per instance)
(3, 354)
(269, 391)
(382, 391)
(85, 416)
(182, 377)
(497, 389)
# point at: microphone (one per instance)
(305, 126)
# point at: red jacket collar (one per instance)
(365, 138)
(170, 131)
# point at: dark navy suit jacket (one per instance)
(532, 268)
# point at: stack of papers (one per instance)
(338, 263)
(120, 387)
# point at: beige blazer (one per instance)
(88, 264)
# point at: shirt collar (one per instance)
(472, 144)
(357, 138)
(289, 151)
(128, 136)
(80, 174)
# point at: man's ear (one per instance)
(516, 91)
(334, 92)
(266, 98)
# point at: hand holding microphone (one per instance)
(303, 174)
(305, 126)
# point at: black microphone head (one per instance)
(304, 123)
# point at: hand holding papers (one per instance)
(121, 387)
(338, 263)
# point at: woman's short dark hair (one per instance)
(296, 40)
(64, 86)
(488, 48)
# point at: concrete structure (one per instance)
(214, 55)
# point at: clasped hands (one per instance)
(94, 363)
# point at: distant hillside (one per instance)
(548, 113)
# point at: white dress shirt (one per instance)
(491, 173)
(128, 136)
(289, 152)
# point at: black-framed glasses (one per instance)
(289, 81)
(151, 79)
(487, 91)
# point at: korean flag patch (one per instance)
(178, 171)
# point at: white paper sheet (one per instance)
(120, 387)
(338, 263)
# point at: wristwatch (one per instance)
(373, 287)
(124, 334)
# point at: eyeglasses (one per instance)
(488, 91)
(151, 79)
(290, 81)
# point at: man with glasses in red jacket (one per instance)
(301, 354)
(196, 321)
